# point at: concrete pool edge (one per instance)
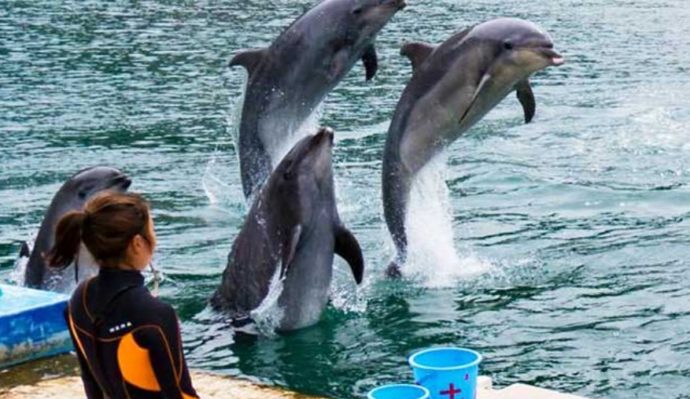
(216, 386)
(208, 385)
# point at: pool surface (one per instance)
(559, 250)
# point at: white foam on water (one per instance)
(432, 257)
(268, 314)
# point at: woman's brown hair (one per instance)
(106, 225)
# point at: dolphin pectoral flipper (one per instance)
(347, 247)
(371, 62)
(416, 52)
(481, 87)
(289, 249)
(24, 251)
(249, 59)
(526, 97)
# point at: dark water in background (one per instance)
(573, 230)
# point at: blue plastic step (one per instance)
(32, 325)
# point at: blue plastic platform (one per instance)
(32, 325)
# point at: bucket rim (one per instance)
(425, 391)
(412, 361)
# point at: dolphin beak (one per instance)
(122, 181)
(399, 4)
(324, 134)
(555, 58)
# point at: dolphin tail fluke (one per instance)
(347, 247)
(24, 250)
(371, 62)
(416, 52)
(249, 59)
(526, 97)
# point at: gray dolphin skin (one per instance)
(452, 87)
(292, 233)
(289, 79)
(73, 194)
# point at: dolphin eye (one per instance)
(357, 10)
(82, 194)
(288, 175)
(508, 45)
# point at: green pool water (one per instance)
(560, 248)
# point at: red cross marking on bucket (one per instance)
(451, 391)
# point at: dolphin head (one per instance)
(509, 51)
(372, 15)
(304, 178)
(521, 46)
(86, 183)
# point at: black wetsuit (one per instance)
(127, 341)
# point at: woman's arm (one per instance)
(91, 387)
(162, 340)
(93, 391)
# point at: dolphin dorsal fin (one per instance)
(347, 247)
(249, 59)
(417, 52)
(526, 97)
(24, 251)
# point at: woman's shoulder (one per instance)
(148, 306)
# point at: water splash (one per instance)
(268, 314)
(308, 126)
(432, 256)
(19, 271)
(345, 295)
(218, 192)
(62, 280)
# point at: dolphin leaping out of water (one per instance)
(290, 235)
(72, 196)
(289, 79)
(452, 87)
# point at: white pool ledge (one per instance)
(517, 391)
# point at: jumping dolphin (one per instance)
(72, 196)
(290, 235)
(452, 87)
(289, 79)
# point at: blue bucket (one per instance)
(448, 373)
(399, 391)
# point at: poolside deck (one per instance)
(55, 378)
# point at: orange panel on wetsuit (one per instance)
(128, 341)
